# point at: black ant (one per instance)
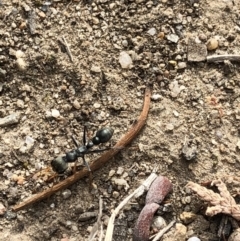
(60, 164)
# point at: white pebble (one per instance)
(125, 60)
(156, 97)
(120, 170)
(159, 223)
(19, 54)
(121, 182)
(52, 205)
(55, 113)
(125, 43)
(96, 69)
(152, 31)
(21, 64)
(66, 193)
(175, 88)
(176, 114)
(111, 173)
(20, 104)
(193, 239)
(76, 104)
(29, 140)
(96, 105)
(173, 38)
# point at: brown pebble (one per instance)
(20, 180)
(212, 44)
(41, 14)
(161, 35)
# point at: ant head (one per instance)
(96, 140)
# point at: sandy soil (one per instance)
(192, 131)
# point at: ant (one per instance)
(60, 164)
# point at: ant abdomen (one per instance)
(59, 164)
(103, 135)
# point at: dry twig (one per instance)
(63, 41)
(221, 203)
(99, 162)
(222, 58)
(145, 186)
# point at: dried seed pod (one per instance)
(159, 189)
(142, 227)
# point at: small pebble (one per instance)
(87, 215)
(20, 180)
(212, 44)
(121, 182)
(169, 127)
(41, 14)
(152, 31)
(9, 215)
(96, 105)
(9, 120)
(29, 140)
(175, 88)
(125, 43)
(158, 223)
(180, 232)
(95, 20)
(115, 194)
(20, 104)
(66, 193)
(2, 209)
(21, 64)
(120, 170)
(111, 173)
(173, 38)
(55, 113)
(19, 54)
(156, 97)
(161, 35)
(176, 114)
(52, 205)
(68, 223)
(74, 228)
(95, 69)
(187, 217)
(125, 60)
(14, 177)
(76, 104)
(105, 220)
(196, 239)
(182, 65)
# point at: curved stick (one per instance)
(99, 162)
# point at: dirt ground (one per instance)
(191, 134)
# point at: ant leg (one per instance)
(84, 135)
(90, 173)
(86, 164)
(74, 141)
(75, 167)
